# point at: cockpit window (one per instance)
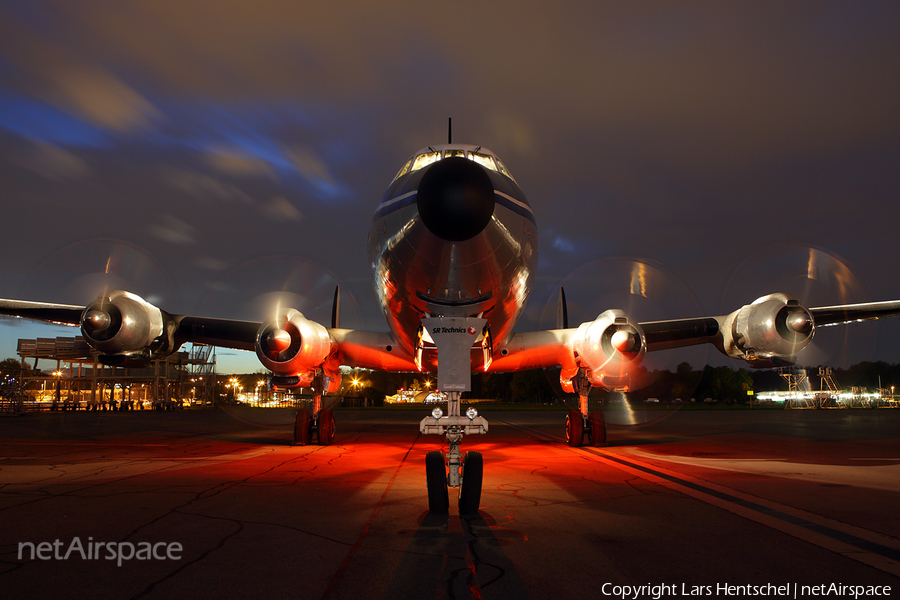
(432, 156)
(484, 160)
(423, 160)
(404, 170)
(503, 168)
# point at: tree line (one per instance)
(542, 385)
(721, 383)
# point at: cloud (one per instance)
(100, 98)
(212, 264)
(311, 167)
(53, 162)
(69, 77)
(563, 244)
(280, 208)
(203, 186)
(235, 162)
(174, 231)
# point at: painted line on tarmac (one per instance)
(868, 547)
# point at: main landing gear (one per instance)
(582, 429)
(583, 426)
(319, 421)
(463, 473)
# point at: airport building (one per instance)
(77, 379)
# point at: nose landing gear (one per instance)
(465, 474)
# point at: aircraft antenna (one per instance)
(336, 308)
(562, 311)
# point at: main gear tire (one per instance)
(574, 429)
(325, 429)
(598, 428)
(301, 427)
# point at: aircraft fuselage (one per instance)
(454, 236)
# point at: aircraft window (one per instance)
(503, 169)
(423, 160)
(404, 170)
(484, 160)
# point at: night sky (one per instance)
(206, 154)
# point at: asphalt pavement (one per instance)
(216, 503)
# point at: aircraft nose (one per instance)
(455, 199)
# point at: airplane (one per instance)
(453, 246)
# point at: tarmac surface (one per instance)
(219, 503)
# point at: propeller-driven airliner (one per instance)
(453, 247)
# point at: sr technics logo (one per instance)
(470, 330)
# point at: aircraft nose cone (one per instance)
(455, 199)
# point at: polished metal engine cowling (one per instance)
(292, 345)
(121, 323)
(608, 348)
(768, 332)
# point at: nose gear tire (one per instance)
(436, 479)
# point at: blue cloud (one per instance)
(563, 244)
(38, 121)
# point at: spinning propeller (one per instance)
(816, 278)
(645, 292)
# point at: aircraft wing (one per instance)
(850, 313)
(217, 332)
(769, 332)
(125, 329)
(662, 335)
(226, 333)
(64, 314)
(122, 327)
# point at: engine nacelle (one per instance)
(124, 324)
(769, 332)
(608, 348)
(293, 348)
